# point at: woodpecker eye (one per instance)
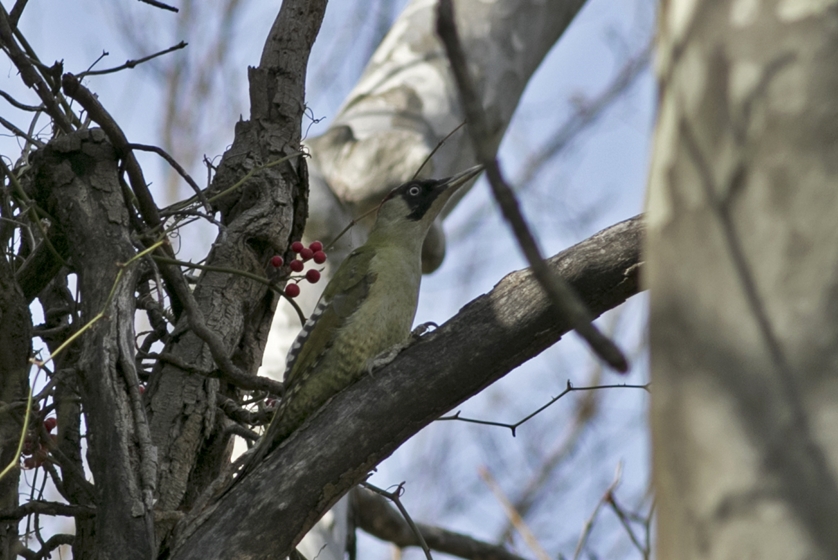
(414, 190)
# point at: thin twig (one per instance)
(589, 524)
(265, 281)
(587, 113)
(233, 376)
(131, 63)
(58, 539)
(20, 105)
(377, 517)
(38, 212)
(437, 147)
(30, 75)
(569, 389)
(513, 516)
(241, 431)
(160, 5)
(238, 414)
(180, 170)
(561, 295)
(395, 497)
(624, 521)
(46, 508)
(18, 132)
(145, 202)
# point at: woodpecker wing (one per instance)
(345, 293)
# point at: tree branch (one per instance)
(562, 297)
(270, 510)
(378, 518)
(46, 508)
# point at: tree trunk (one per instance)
(742, 259)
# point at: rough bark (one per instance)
(261, 218)
(742, 272)
(272, 508)
(15, 350)
(76, 180)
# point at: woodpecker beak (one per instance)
(453, 183)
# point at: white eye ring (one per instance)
(414, 191)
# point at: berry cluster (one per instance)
(314, 252)
(34, 450)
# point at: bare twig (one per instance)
(624, 521)
(588, 112)
(18, 104)
(513, 516)
(18, 132)
(160, 5)
(52, 543)
(232, 409)
(437, 147)
(30, 75)
(131, 63)
(569, 389)
(561, 295)
(180, 170)
(378, 518)
(395, 497)
(234, 376)
(46, 508)
(589, 524)
(241, 431)
(145, 202)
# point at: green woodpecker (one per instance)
(366, 309)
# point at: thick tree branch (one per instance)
(270, 510)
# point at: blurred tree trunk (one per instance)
(743, 253)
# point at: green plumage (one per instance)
(367, 308)
(354, 324)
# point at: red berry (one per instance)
(50, 423)
(297, 246)
(296, 266)
(292, 290)
(313, 276)
(276, 261)
(306, 254)
(319, 257)
(316, 246)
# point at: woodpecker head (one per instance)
(412, 207)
